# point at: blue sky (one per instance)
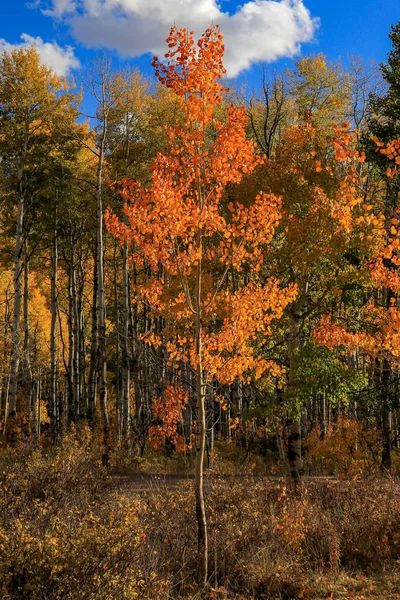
(69, 33)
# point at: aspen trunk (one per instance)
(386, 416)
(39, 405)
(92, 381)
(3, 367)
(228, 431)
(102, 364)
(82, 341)
(200, 444)
(323, 415)
(136, 362)
(27, 358)
(76, 332)
(117, 348)
(70, 371)
(386, 413)
(62, 397)
(53, 334)
(126, 367)
(12, 385)
(34, 411)
(125, 348)
(210, 427)
(294, 425)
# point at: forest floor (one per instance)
(321, 583)
(143, 482)
(70, 530)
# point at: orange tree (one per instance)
(184, 224)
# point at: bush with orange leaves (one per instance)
(169, 414)
(348, 448)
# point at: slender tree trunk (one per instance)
(323, 415)
(12, 386)
(386, 412)
(139, 362)
(92, 381)
(63, 390)
(228, 403)
(53, 333)
(39, 405)
(210, 419)
(117, 347)
(71, 416)
(34, 411)
(125, 348)
(136, 361)
(27, 358)
(76, 331)
(102, 365)
(82, 345)
(6, 350)
(126, 366)
(200, 442)
(294, 424)
(386, 416)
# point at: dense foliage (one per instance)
(196, 277)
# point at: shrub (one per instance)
(348, 448)
(68, 530)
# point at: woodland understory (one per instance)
(69, 530)
(204, 281)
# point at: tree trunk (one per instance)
(323, 415)
(117, 348)
(126, 367)
(125, 348)
(386, 412)
(294, 424)
(6, 350)
(82, 344)
(39, 405)
(12, 385)
(53, 334)
(200, 444)
(294, 449)
(76, 332)
(102, 364)
(386, 416)
(27, 358)
(71, 416)
(92, 381)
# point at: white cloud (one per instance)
(58, 8)
(260, 30)
(61, 60)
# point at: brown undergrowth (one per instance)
(68, 532)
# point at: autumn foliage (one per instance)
(186, 223)
(169, 412)
(235, 308)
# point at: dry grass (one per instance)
(66, 532)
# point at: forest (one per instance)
(200, 329)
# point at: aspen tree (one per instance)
(33, 104)
(184, 223)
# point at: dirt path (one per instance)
(143, 482)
